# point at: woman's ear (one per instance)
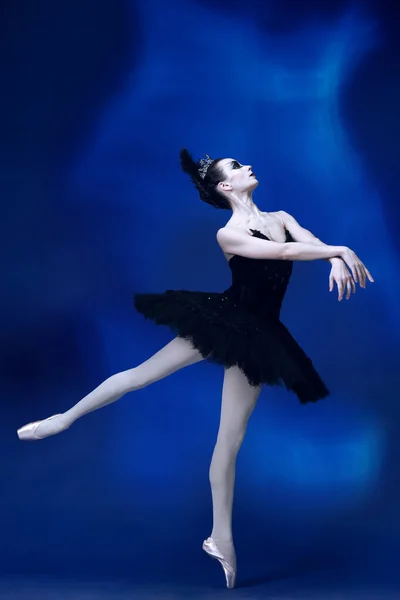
(224, 187)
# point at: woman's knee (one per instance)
(127, 381)
(136, 378)
(230, 440)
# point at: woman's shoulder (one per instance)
(230, 235)
(232, 228)
(228, 231)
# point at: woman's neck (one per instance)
(244, 208)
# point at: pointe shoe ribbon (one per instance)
(210, 547)
(28, 432)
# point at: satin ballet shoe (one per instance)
(210, 547)
(28, 432)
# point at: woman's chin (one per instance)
(254, 183)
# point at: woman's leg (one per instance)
(177, 354)
(238, 401)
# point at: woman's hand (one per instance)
(358, 269)
(342, 277)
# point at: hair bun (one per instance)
(197, 171)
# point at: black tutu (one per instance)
(241, 326)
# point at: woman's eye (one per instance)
(235, 165)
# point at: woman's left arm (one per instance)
(339, 272)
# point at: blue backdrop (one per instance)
(97, 100)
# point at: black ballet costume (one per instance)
(241, 326)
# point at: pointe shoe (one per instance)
(210, 547)
(28, 432)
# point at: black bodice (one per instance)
(259, 285)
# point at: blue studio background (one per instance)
(97, 100)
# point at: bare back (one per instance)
(270, 224)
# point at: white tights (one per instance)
(238, 402)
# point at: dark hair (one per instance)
(207, 186)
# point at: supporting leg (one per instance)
(238, 402)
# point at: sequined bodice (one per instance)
(259, 285)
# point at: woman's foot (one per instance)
(228, 563)
(42, 429)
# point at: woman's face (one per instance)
(236, 177)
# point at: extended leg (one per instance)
(238, 402)
(177, 354)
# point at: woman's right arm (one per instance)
(234, 241)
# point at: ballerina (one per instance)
(239, 328)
